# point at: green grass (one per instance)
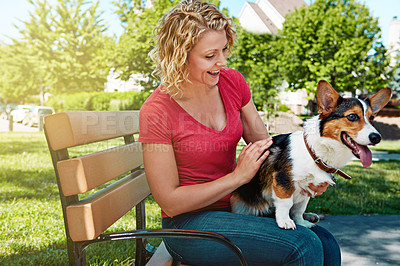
(372, 190)
(31, 223)
(392, 146)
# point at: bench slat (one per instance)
(81, 174)
(88, 218)
(69, 129)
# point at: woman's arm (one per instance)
(162, 176)
(253, 126)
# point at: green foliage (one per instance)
(20, 74)
(63, 49)
(70, 102)
(336, 40)
(388, 146)
(82, 64)
(371, 190)
(98, 101)
(255, 56)
(117, 101)
(283, 108)
(131, 54)
(23, 70)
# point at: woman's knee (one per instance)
(307, 249)
(332, 254)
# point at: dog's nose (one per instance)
(375, 138)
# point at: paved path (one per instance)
(366, 239)
(380, 155)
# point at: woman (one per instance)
(190, 127)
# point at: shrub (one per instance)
(98, 101)
(283, 108)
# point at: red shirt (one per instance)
(202, 154)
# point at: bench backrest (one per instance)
(86, 217)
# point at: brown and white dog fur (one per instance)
(342, 129)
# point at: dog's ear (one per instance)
(380, 99)
(327, 98)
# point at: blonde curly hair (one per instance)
(177, 34)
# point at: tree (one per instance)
(336, 40)
(81, 63)
(136, 42)
(254, 55)
(21, 72)
(22, 69)
(63, 48)
(131, 56)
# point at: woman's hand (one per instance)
(317, 190)
(250, 159)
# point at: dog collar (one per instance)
(322, 165)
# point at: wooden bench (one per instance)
(119, 173)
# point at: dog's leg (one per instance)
(282, 209)
(282, 195)
(297, 212)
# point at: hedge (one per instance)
(98, 101)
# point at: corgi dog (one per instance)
(342, 129)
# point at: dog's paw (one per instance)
(311, 217)
(305, 223)
(286, 223)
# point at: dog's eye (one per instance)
(353, 117)
(371, 118)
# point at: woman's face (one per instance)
(207, 58)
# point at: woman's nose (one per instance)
(222, 61)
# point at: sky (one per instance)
(12, 11)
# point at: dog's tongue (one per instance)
(365, 155)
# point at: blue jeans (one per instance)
(260, 239)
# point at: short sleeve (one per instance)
(237, 81)
(244, 89)
(154, 125)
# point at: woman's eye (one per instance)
(209, 56)
(352, 117)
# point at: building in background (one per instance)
(115, 84)
(394, 40)
(267, 16)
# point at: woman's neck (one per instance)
(191, 92)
